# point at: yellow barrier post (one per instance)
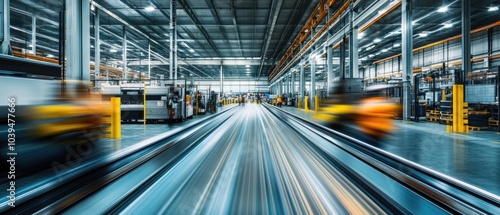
(316, 103)
(460, 110)
(116, 118)
(443, 95)
(299, 103)
(306, 103)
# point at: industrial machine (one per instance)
(159, 98)
(356, 112)
(46, 119)
(200, 102)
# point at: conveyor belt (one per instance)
(256, 160)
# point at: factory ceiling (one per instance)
(248, 37)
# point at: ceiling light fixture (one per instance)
(191, 50)
(149, 8)
(92, 7)
(448, 25)
(377, 40)
(361, 35)
(396, 45)
(423, 34)
(492, 8)
(49, 56)
(442, 9)
(384, 50)
(248, 66)
(112, 50)
(371, 55)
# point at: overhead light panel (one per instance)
(92, 7)
(112, 50)
(423, 34)
(191, 50)
(361, 35)
(448, 25)
(50, 56)
(492, 8)
(442, 9)
(396, 45)
(149, 8)
(248, 66)
(384, 50)
(377, 40)
(371, 55)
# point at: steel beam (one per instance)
(212, 62)
(302, 85)
(124, 52)
(342, 61)
(353, 46)
(198, 24)
(173, 16)
(5, 27)
(466, 43)
(329, 70)
(77, 40)
(272, 23)
(313, 83)
(407, 55)
(97, 44)
(235, 24)
(221, 80)
(33, 35)
(149, 61)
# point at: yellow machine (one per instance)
(370, 115)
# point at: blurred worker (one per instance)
(188, 99)
(280, 101)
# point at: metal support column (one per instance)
(124, 53)
(5, 27)
(342, 60)
(173, 42)
(78, 40)
(292, 90)
(302, 84)
(407, 54)
(329, 70)
(353, 46)
(490, 48)
(97, 44)
(149, 60)
(221, 79)
(33, 35)
(287, 84)
(466, 45)
(313, 83)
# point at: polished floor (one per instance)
(473, 157)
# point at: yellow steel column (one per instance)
(455, 108)
(306, 103)
(459, 115)
(316, 103)
(299, 103)
(116, 118)
(443, 95)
